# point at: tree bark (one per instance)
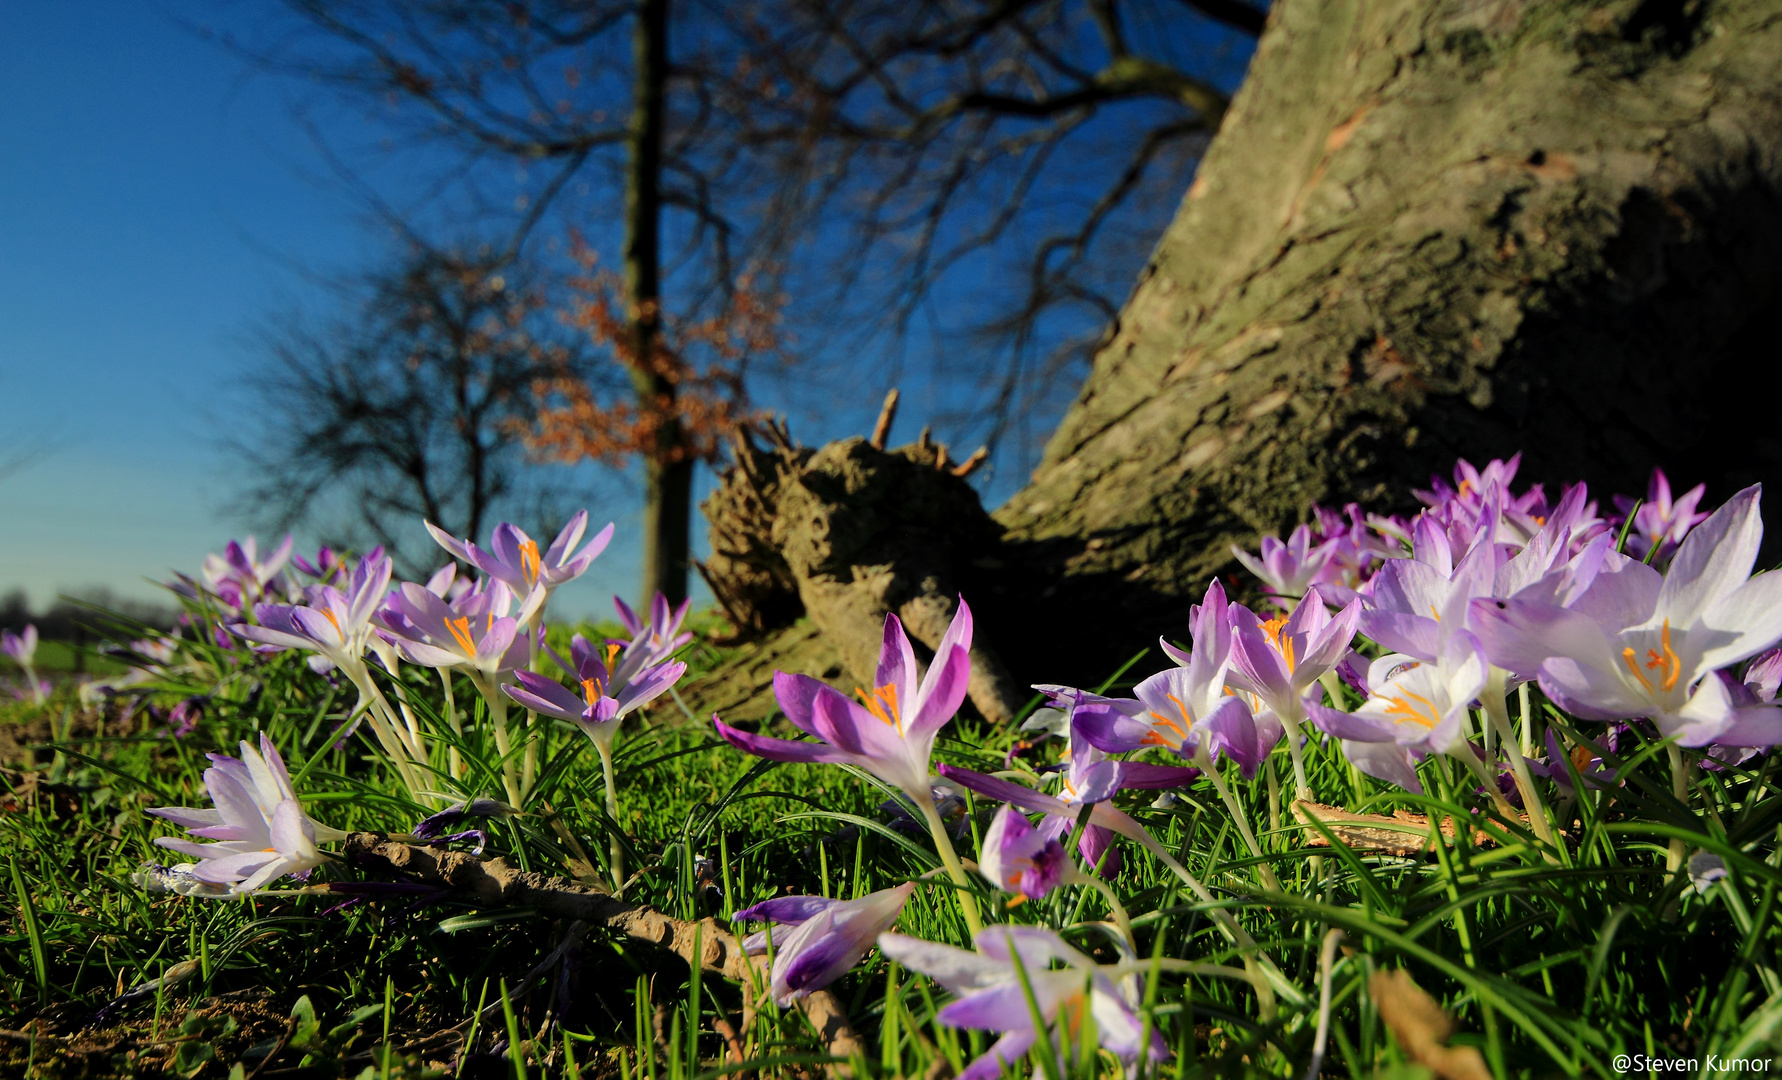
(1430, 230)
(1426, 229)
(668, 467)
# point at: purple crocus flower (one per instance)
(184, 718)
(334, 625)
(22, 647)
(261, 829)
(474, 633)
(827, 938)
(239, 577)
(661, 635)
(1757, 715)
(990, 994)
(604, 696)
(1584, 758)
(1280, 659)
(327, 564)
(513, 557)
(1640, 644)
(1018, 858)
(1414, 709)
(651, 643)
(600, 703)
(1660, 520)
(1186, 708)
(891, 732)
(1416, 602)
(1288, 569)
(1090, 781)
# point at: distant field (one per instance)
(61, 656)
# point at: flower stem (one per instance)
(1270, 977)
(615, 848)
(510, 778)
(1497, 716)
(1263, 870)
(378, 713)
(1673, 857)
(529, 764)
(1302, 789)
(455, 760)
(943, 846)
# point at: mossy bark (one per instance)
(1425, 230)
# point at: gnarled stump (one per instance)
(846, 534)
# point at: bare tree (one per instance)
(861, 157)
(1020, 156)
(412, 406)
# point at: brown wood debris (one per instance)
(1404, 833)
(494, 882)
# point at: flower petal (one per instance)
(781, 749)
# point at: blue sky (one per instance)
(157, 201)
(153, 203)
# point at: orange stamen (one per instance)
(1166, 721)
(1283, 644)
(1669, 664)
(882, 703)
(529, 561)
(1401, 709)
(460, 628)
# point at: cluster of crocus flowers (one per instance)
(335, 627)
(351, 622)
(258, 829)
(1490, 589)
(486, 630)
(22, 648)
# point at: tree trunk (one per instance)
(1425, 230)
(1430, 230)
(668, 468)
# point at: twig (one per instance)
(284, 1037)
(887, 415)
(970, 465)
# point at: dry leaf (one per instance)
(1422, 1028)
